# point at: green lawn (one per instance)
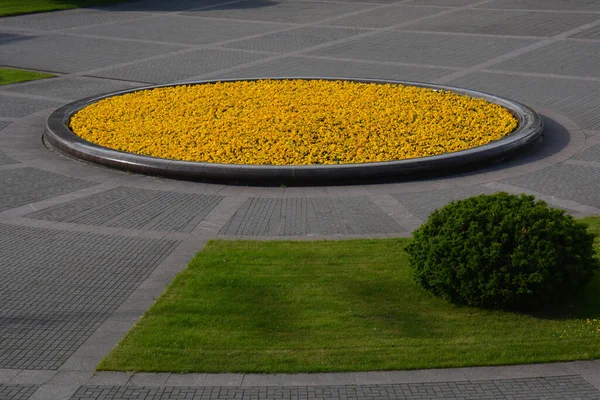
(15, 7)
(8, 76)
(244, 306)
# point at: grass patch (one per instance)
(16, 7)
(8, 76)
(244, 306)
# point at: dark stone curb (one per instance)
(61, 138)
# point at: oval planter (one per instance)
(59, 136)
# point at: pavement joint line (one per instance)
(397, 211)
(33, 96)
(9, 119)
(446, 11)
(540, 10)
(469, 34)
(193, 48)
(551, 200)
(540, 75)
(377, 62)
(515, 53)
(218, 216)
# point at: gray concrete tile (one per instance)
(17, 392)
(313, 67)
(577, 100)
(504, 22)
(73, 54)
(148, 380)
(261, 380)
(223, 379)
(444, 3)
(566, 5)
(181, 29)
(287, 11)
(424, 48)
(384, 17)
(67, 19)
(590, 33)
(298, 379)
(339, 378)
(561, 58)
(4, 124)
(70, 378)
(160, 6)
(7, 374)
(181, 66)
(293, 40)
(30, 377)
(70, 88)
(105, 378)
(18, 107)
(186, 380)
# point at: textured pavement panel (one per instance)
(501, 22)
(306, 216)
(565, 5)
(161, 6)
(312, 67)
(293, 40)
(27, 185)
(57, 287)
(4, 124)
(6, 160)
(67, 19)
(562, 58)
(573, 182)
(181, 66)
(285, 12)
(592, 154)
(60, 53)
(16, 392)
(134, 209)
(69, 88)
(424, 203)
(578, 100)
(18, 107)
(181, 29)
(424, 48)
(384, 17)
(565, 387)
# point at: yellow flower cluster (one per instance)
(292, 122)
(581, 328)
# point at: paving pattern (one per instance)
(568, 387)
(85, 250)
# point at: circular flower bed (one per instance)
(292, 122)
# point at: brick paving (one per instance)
(85, 250)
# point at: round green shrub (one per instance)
(502, 251)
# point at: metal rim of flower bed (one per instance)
(58, 136)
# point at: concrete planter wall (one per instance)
(59, 136)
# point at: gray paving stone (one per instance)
(58, 287)
(578, 100)
(134, 209)
(286, 11)
(567, 387)
(424, 48)
(16, 392)
(566, 5)
(305, 216)
(311, 67)
(18, 107)
(6, 160)
(181, 66)
(562, 58)
(445, 3)
(384, 17)
(27, 185)
(295, 39)
(503, 22)
(71, 53)
(424, 203)
(572, 182)
(67, 19)
(181, 29)
(590, 154)
(70, 88)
